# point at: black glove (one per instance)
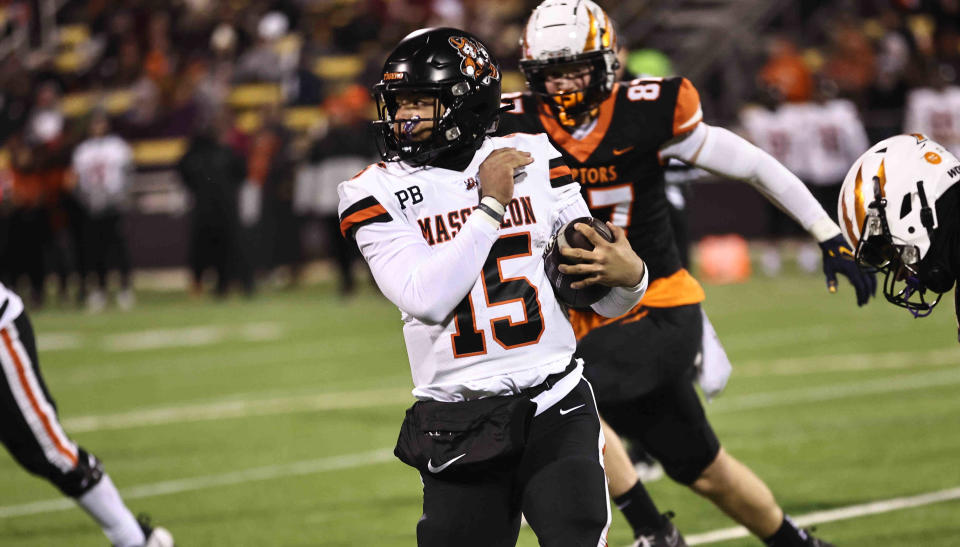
(838, 258)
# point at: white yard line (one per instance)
(307, 467)
(150, 339)
(189, 336)
(372, 398)
(56, 341)
(889, 384)
(240, 409)
(846, 363)
(840, 513)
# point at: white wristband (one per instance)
(824, 229)
(492, 211)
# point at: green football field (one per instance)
(272, 421)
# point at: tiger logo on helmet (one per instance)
(476, 62)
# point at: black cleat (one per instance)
(665, 535)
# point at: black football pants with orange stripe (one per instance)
(559, 484)
(29, 427)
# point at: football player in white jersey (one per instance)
(101, 169)
(935, 112)
(453, 225)
(30, 430)
(899, 208)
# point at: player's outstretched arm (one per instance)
(726, 154)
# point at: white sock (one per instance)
(104, 504)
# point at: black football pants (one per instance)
(29, 426)
(559, 484)
(643, 374)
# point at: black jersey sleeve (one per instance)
(522, 118)
(665, 107)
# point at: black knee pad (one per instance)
(699, 455)
(80, 479)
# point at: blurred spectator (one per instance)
(213, 173)
(834, 139)
(935, 112)
(851, 62)
(339, 155)
(49, 157)
(120, 60)
(303, 87)
(101, 171)
(159, 61)
(786, 71)
(29, 229)
(15, 90)
(210, 85)
(264, 61)
(888, 94)
(772, 125)
(948, 50)
(268, 195)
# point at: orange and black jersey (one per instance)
(618, 166)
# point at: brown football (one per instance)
(568, 236)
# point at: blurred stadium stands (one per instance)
(164, 70)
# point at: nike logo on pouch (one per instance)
(621, 151)
(565, 411)
(432, 469)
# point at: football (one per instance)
(567, 236)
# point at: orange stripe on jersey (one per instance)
(585, 320)
(679, 289)
(361, 215)
(687, 113)
(560, 171)
(580, 149)
(31, 396)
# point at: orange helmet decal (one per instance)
(476, 62)
(591, 43)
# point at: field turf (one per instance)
(271, 421)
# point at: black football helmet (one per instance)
(455, 67)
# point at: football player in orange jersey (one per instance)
(615, 137)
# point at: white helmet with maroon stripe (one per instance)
(569, 33)
(888, 213)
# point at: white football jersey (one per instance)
(506, 331)
(102, 165)
(936, 114)
(775, 132)
(835, 138)
(10, 306)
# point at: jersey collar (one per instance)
(583, 148)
